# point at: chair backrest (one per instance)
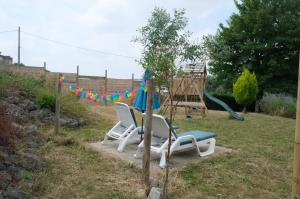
(160, 127)
(124, 114)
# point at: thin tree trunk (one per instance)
(296, 166)
(245, 109)
(165, 191)
(147, 136)
(257, 104)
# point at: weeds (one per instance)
(279, 104)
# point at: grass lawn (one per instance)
(260, 165)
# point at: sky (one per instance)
(106, 26)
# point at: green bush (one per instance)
(245, 89)
(71, 106)
(279, 104)
(30, 86)
(10, 83)
(6, 84)
(46, 99)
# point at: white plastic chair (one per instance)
(126, 129)
(180, 142)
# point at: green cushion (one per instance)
(199, 135)
(175, 127)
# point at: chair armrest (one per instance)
(175, 127)
(180, 139)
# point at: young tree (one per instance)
(265, 36)
(164, 43)
(245, 89)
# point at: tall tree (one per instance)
(264, 36)
(164, 44)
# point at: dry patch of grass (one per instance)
(260, 167)
(76, 172)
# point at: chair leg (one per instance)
(105, 140)
(124, 142)
(162, 162)
(211, 148)
(138, 153)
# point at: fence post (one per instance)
(45, 71)
(296, 166)
(105, 85)
(77, 76)
(57, 103)
(132, 87)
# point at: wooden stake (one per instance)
(57, 103)
(77, 76)
(186, 90)
(45, 72)
(105, 85)
(132, 87)
(296, 166)
(147, 136)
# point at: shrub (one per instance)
(245, 89)
(71, 106)
(30, 86)
(10, 83)
(46, 99)
(8, 130)
(6, 82)
(279, 104)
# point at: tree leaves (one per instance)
(245, 89)
(264, 36)
(165, 43)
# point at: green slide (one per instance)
(225, 106)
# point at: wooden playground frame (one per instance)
(188, 90)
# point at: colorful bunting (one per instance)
(62, 79)
(89, 95)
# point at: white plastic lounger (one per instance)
(180, 142)
(126, 128)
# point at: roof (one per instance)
(195, 68)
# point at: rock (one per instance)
(72, 122)
(1, 196)
(31, 130)
(30, 162)
(17, 112)
(2, 166)
(155, 193)
(15, 172)
(42, 115)
(6, 156)
(17, 126)
(13, 193)
(81, 122)
(5, 179)
(28, 105)
(140, 193)
(13, 100)
(32, 143)
(153, 182)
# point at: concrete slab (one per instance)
(177, 159)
